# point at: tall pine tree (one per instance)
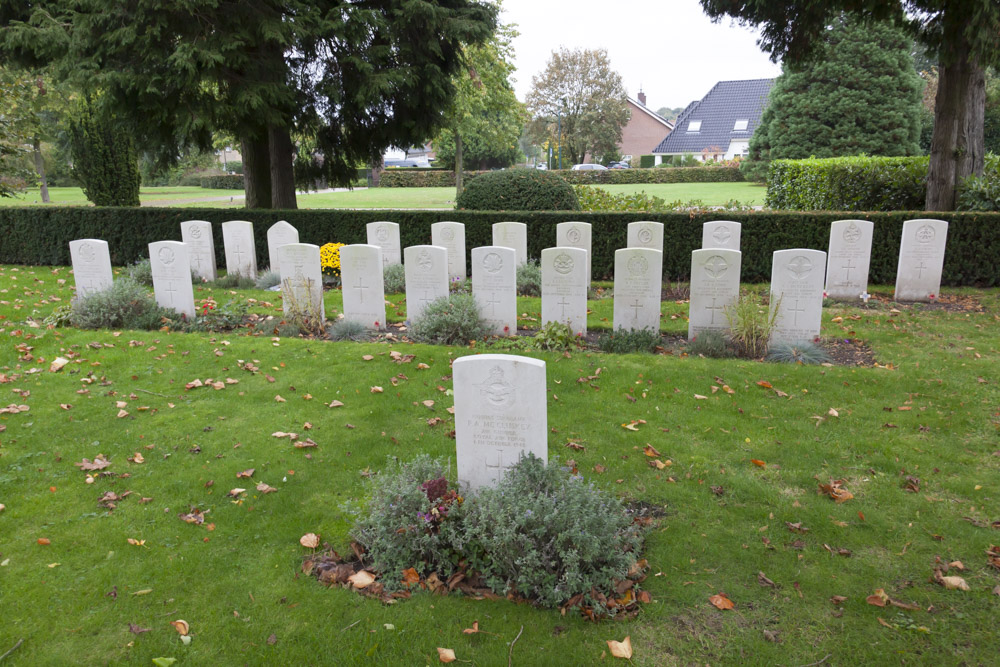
(104, 157)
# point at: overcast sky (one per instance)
(668, 47)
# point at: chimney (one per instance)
(642, 98)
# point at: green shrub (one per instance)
(598, 199)
(233, 281)
(848, 184)
(623, 341)
(401, 528)
(546, 535)
(697, 173)
(529, 278)
(124, 305)
(556, 336)
(141, 272)
(711, 344)
(518, 190)
(223, 182)
(750, 325)
(982, 193)
(647, 161)
(451, 320)
(268, 279)
(211, 317)
(348, 330)
(105, 161)
(804, 352)
(394, 277)
(423, 178)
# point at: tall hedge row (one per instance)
(41, 236)
(848, 184)
(423, 178)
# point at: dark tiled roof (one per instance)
(718, 111)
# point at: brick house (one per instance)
(643, 132)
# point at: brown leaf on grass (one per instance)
(599, 469)
(721, 602)
(282, 434)
(428, 403)
(993, 556)
(57, 364)
(376, 390)
(660, 465)
(136, 458)
(279, 399)
(195, 516)
(835, 490)
(838, 599)
(796, 527)
(772, 636)
(631, 426)
(265, 488)
(650, 451)
(367, 357)
(996, 590)
(99, 463)
(879, 598)
(473, 630)
(885, 623)
(904, 605)
(136, 630)
(912, 484)
(245, 473)
(765, 384)
(764, 581)
(410, 576)
(758, 463)
(181, 626)
(309, 540)
(305, 444)
(718, 490)
(272, 639)
(951, 582)
(446, 654)
(361, 579)
(622, 649)
(44, 541)
(575, 445)
(335, 404)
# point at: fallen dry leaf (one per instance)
(362, 579)
(335, 404)
(720, 601)
(99, 463)
(181, 626)
(758, 463)
(879, 598)
(44, 541)
(410, 576)
(622, 649)
(279, 399)
(376, 390)
(953, 583)
(699, 397)
(122, 414)
(246, 473)
(838, 599)
(136, 458)
(264, 488)
(57, 364)
(309, 540)
(367, 357)
(650, 451)
(446, 654)
(835, 490)
(428, 403)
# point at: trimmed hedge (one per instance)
(519, 190)
(41, 235)
(223, 182)
(647, 161)
(848, 184)
(422, 178)
(630, 176)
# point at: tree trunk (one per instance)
(282, 175)
(256, 171)
(957, 149)
(459, 167)
(36, 144)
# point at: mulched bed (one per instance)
(952, 303)
(848, 352)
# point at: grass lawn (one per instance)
(931, 410)
(74, 196)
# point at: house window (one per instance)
(741, 126)
(694, 126)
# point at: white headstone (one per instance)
(494, 286)
(576, 235)
(386, 236)
(91, 266)
(241, 251)
(564, 287)
(721, 234)
(361, 282)
(921, 260)
(848, 259)
(451, 237)
(197, 234)
(426, 270)
(644, 234)
(279, 234)
(512, 235)
(170, 262)
(301, 281)
(797, 294)
(500, 415)
(638, 281)
(715, 286)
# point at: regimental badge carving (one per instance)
(492, 262)
(800, 267)
(448, 234)
(637, 265)
(87, 252)
(645, 236)
(498, 392)
(563, 263)
(926, 234)
(425, 261)
(166, 256)
(195, 232)
(722, 234)
(852, 233)
(574, 235)
(715, 266)
(382, 233)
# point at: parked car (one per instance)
(589, 167)
(619, 165)
(542, 166)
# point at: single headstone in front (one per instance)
(715, 286)
(241, 251)
(362, 285)
(279, 234)
(451, 237)
(564, 287)
(576, 235)
(170, 262)
(645, 234)
(197, 234)
(301, 281)
(921, 260)
(848, 259)
(91, 266)
(494, 286)
(386, 236)
(638, 282)
(721, 234)
(797, 294)
(500, 415)
(426, 271)
(512, 235)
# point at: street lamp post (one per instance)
(559, 127)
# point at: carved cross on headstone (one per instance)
(847, 267)
(425, 298)
(714, 308)
(361, 290)
(920, 269)
(796, 311)
(563, 302)
(498, 466)
(89, 285)
(239, 255)
(492, 303)
(169, 290)
(636, 307)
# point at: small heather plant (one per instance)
(124, 305)
(556, 336)
(213, 317)
(394, 277)
(141, 272)
(529, 278)
(347, 330)
(712, 344)
(451, 320)
(233, 281)
(804, 352)
(750, 325)
(628, 340)
(268, 279)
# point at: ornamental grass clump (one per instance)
(804, 352)
(394, 278)
(548, 536)
(623, 341)
(412, 520)
(268, 279)
(529, 278)
(450, 320)
(751, 324)
(124, 305)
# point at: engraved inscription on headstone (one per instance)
(512, 235)
(362, 285)
(386, 236)
(921, 260)
(645, 234)
(301, 281)
(494, 286)
(451, 236)
(241, 251)
(564, 287)
(715, 286)
(576, 235)
(500, 415)
(638, 281)
(197, 234)
(170, 262)
(91, 266)
(848, 259)
(797, 294)
(279, 234)
(426, 271)
(721, 234)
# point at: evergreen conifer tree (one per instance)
(104, 158)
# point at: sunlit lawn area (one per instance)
(67, 196)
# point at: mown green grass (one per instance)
(239, 584)
(69, 196)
